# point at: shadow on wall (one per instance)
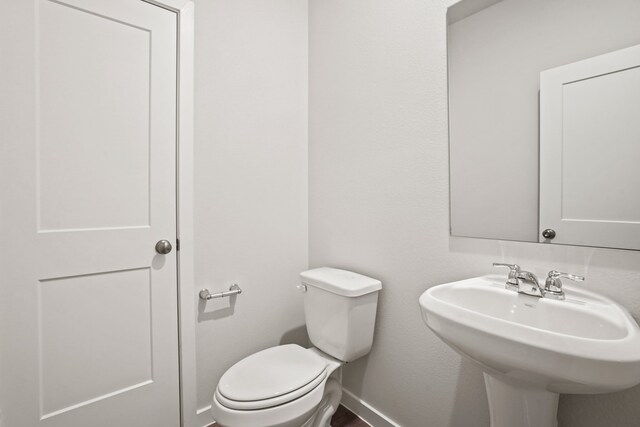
(466, 400)
(470, 380)
(296, 336)
(357, 370)
(224, 309)
(609, 409)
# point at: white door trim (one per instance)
(184, 10)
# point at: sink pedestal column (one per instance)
(518, 404)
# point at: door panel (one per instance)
(589, 149)
(80, 366)
(107, 100)
(89, 310)
(600, 147)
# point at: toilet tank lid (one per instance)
(341, 282)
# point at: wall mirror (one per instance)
(544, 119)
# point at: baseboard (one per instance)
(365, 411)
(203, 415)
(203, 410)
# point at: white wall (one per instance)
(378, 204)
(250, 178)
(495, 60)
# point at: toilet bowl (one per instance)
(283, 386)
(290, 386)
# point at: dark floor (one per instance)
(345, 418)
(342, 418)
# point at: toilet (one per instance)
(292, 386)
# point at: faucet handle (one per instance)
(514, 270)
(553, 274)
(553, 284)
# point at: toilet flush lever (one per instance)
(302, 288)
(233, 290)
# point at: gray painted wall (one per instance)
(250, 179)
(379, 204)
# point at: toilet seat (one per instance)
(292, 414)
(271, 377)
(269, 403)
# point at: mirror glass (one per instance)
(544, 101)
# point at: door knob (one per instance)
(163, 247)
(549, 234)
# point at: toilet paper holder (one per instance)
(233, 290)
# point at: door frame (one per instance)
(184, 10)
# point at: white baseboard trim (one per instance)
(203, 410)
(365, 411)
(203, 416)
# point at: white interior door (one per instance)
(89, 308)
(589, 151)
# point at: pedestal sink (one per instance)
(531, 349)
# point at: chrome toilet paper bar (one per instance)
(233, 290)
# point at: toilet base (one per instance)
(329, 404)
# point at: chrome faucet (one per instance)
(524, 282)
(527, 283)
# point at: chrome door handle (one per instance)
(163, 247)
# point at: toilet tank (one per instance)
(340, 311)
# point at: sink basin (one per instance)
(531, 349)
